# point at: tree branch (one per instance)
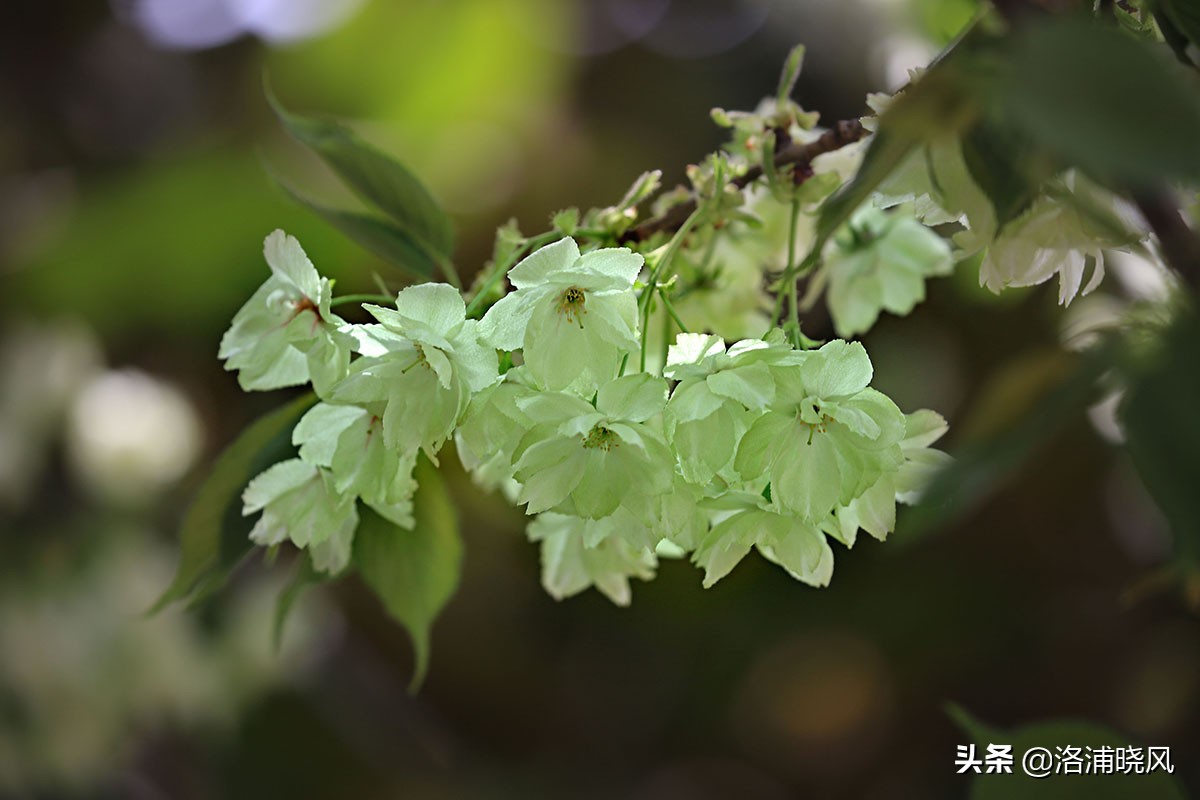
(801, 155)
(1180, 244)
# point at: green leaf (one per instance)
(1159, 416)
(566, 221)
(1003, 167)
(646, 184)
(942, 20)
(1104, 101)
(415, 572)
(376, 177)
(214, 536)
(382, 238)
(791, 71)
(1184, 16)
(1157, 785)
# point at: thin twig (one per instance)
(843, 133)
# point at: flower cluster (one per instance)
(583, 396)
(726, 447)
(1063, 230)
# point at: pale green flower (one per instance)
(422, 364)
(748, 520)
(348, 441)
(723, 289)
(578, 553)
(588, 461)
(720, 392)
(492, 428)
(574, 317)
(285, 334)
(299, 503)
(874, 511)
(827, 438)
(678, 518)
(879, 262)
(1053, 237)
(935, 179)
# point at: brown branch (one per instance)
(1180, 244)
(797, 154)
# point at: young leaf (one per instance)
(1183, 16)
(214, 535)
(791, 71)
(1004, 167)
(382, 238)
(376, 177)
(414, 572)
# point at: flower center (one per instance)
(814, 419)
(601, 437)
(302, 305)
(422, 360)
(570, 304)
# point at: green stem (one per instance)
(666, 327)
(785, 287)
(361, 298)
(774, 323)
(652, 282)
(791, 288)
(671, 310)
(502, 270)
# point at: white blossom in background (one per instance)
(95, 672)
(131, 435)
(1056, 236)
(43, 367)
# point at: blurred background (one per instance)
(134, 198)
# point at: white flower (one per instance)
(879, 262)
(299, 503)
(1053, 238)
(827, 438)
(720, 392)
(588, 461)
(348, 441)
(578, 553)
(421, 364)
(574, 317)
(285, 335)
(750, 521)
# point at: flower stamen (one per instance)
(602, 438)
(571, 304)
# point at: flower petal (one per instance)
(534, 268)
